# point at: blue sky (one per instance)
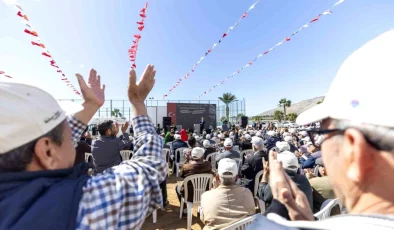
(82, 34)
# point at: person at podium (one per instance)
(202, 124)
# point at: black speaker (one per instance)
(166, 122)
(244, 122)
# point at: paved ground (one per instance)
(169, 218)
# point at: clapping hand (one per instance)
(93, 91)
(287, 192)
(125, 126)
(138, 92)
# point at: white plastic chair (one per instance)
(166, 154)
(256, 182)
(326, 211)
(181, 159)
(212, 157)
(241, 224)
(87, 155)
(200, 183)
(126, 154)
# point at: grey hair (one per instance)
(228, 181)
(18, 159)
(379, 136)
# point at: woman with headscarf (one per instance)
(184, 136)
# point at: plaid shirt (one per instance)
(77, 128)
(124, 195)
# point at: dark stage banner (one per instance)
(187, 114)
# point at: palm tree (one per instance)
(284, 103)
(227, 98)
(116, 113)
(292, 116)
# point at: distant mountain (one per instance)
(297, 108)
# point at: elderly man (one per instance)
(208, 148)
(106, 149)
(290, 165)
(246, 143)
(196, 165)
(39, 187)
(253, 163)
(289, 140)
(229, 202)
(358, 144)
(229, 152)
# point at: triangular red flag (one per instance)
(55, 66)
(134, 66)
(143, 10)
(46, 54)
(224, 35)
(209, 51)
(140, 28)
(250, 63)
(132, 60)
(137, 36)
(143, 15)
(141, 22)
(7, 76)
(34, 33)
(2, 72)
(314, 20)
(266, 52)
(52, 62)
(63, 75)
(38, 44)
(245, 14)
(287, 39)
(59, 71)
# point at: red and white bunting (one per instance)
(2, 73)
(37, 42)
(134, 47)
(287, 39)
(225, 34)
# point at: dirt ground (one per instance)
(169, 218)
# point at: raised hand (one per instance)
(93, 91)
(138, 92)
(287, 192)
(125, 126)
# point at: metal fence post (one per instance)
(110, 104)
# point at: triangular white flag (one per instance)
(260, 55)
(201, 58)
(305, 26)
(214, 45)
(339, 2)
(252, 6)
(327, 12)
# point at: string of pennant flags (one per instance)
(287, 39)
(37, 42)
(2, 73)
(231, 28)
(134, 47)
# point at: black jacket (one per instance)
(252, 165)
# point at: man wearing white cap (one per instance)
(246, 143)
(290, 165)
(227, 203)
(229, 152)
(208, 148)
(38, 186)
(196, 165)
(253, 164)
(358, 146)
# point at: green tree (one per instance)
(283, 103)
(292, 117)
(227, 98)
(319, 102)
(116, 113)
(279, 115)
(240, 115)
(223, 119)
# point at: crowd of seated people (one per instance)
(349, 157)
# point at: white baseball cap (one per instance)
(208, 136)
(271, 133)
(228, 142)
(288, 138)
(197, 153)
(28, 113)
(227, 165)
(258, 133)
(177, 137)
(257, 141)
(206, 144)
(248, 137)
(283, 146)
(289, 160)
(360, 87)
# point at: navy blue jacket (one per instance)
(41, 199)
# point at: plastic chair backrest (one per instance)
(200, 183)
(87, 155)
(246, 152)
(166, 153)
(126, 154)
(257, 181)
(182, 157)
(326, 211)
(242, 224)
(212, 157)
